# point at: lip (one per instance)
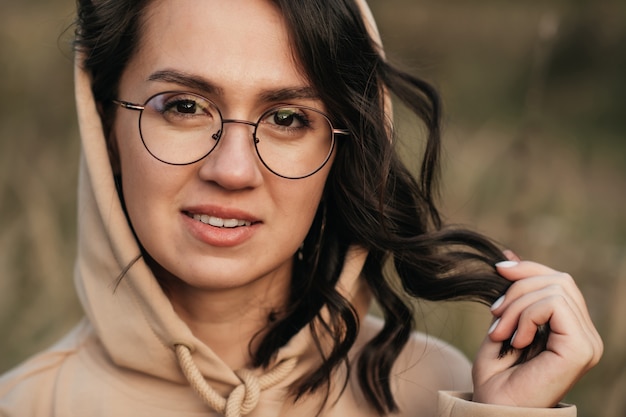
(219, 236)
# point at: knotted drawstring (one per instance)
(245, 397)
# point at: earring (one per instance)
(300, 252)
(318, 238)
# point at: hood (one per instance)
(128, 310)
(131, 315)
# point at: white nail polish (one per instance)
(493, 326)
(497, 303)
(507, 264)
(513, 337)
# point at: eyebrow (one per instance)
(185, 80)
(283, 94)
(201, 84)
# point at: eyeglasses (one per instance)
(181, 128)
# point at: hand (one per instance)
(538, 295)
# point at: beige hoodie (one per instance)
(133, 356)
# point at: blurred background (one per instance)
(535, 156)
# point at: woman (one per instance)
(239, 197)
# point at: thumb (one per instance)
(492, 359)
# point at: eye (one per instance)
(288, 117)
(186, 105)
(184, 109)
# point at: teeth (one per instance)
(231, 223)
(219, 222)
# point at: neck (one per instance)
(230, 321)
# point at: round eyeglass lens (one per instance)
(180, 128)
(294, 141)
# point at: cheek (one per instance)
(150, 194)
(305, 194)
(144, 181)
(299, 202)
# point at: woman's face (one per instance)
(237, 54)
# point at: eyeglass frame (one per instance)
(140, 108)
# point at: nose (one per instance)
(233, 164)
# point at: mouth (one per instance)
(218, 221)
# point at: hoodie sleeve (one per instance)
(456, 404)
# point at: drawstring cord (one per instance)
(244, 397)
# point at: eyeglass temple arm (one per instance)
(129, 105)
(341, 132)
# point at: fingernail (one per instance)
(507, 264)
(493, 326)
(513, 337)
(497, 303)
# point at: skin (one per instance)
(222, 282)
(538, 295)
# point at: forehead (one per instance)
(237, 42)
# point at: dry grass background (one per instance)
(535, 157)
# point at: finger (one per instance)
(529, 276)
(534, 283)
(508, 322)
(568, 339)
(569, 287)
(489, 362)
(514, 270)
(569, 336)
(511, 256)
(510, 315)
(540, 313)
